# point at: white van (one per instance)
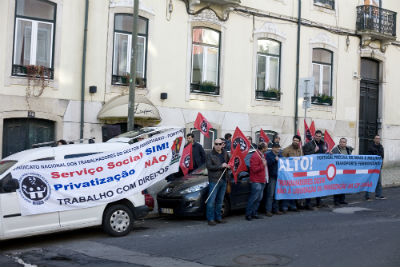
(116, 218)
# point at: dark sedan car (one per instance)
(185, 196)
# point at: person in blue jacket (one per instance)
(271, 204)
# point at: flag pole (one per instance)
(209, 195)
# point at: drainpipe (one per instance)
(296, 112)
(132, 82)
(83, 76)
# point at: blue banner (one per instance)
(326, 174)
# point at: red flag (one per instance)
(186, 162)
(329, 141)
(202, 125)
(312, 128)
(237, 163)
(240, 139)
(263, 137)
(298, 133)
(307, 133)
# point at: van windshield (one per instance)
(5, 165)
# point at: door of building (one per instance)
(369, 103)
(21, 134)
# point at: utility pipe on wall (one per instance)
(296, 106)
(83, 76)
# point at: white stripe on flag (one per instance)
(361, 171)
(314, 173)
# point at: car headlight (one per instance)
(194, 188)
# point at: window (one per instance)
(268, 69)
(122, 50)
(269, 133)
(207, 143)
(325, 3)
(34, 37)
(322, 72)
(205, 61)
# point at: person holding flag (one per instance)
(258, 178)
(217, 165)
(198, 154)
(272, 205)
(315, 146)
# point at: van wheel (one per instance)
(118, 220)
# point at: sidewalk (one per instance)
(391, 176)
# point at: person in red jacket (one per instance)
(258, 174)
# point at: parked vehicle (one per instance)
(185, 196)
(116, 218)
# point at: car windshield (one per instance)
(5, 165)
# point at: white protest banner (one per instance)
(50, 186)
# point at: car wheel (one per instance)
(226, 208)
(118, 220)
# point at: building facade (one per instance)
(235, 61)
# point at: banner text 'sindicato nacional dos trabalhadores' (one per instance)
(50, 186)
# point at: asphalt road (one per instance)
(359, 234)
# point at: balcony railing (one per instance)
(372, 19)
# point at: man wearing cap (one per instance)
(272, 205)
(217, 162)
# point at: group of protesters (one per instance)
(263, 170)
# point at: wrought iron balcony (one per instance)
(220, 7)
(376, 22)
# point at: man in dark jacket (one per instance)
(294, 150)
(199, 156)
(217, 162)
(258, 166)
(342, 148)
(376, 148)
(271, 205)
(315, 146)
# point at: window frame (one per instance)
(262, 94)
(21, 70)
(196, 87)
(325, 4)
(321, 65)
(214, 136)
(121, 80)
